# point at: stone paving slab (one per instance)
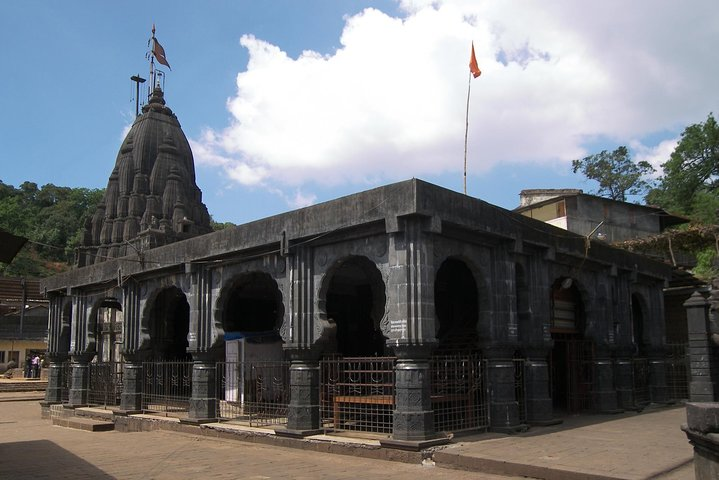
(628, 446)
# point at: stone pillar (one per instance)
(132, 383)
(658, 390)
(303, 415)
(413, 417)
(536, 382)
(701, 385)
(78, 396)
(58, 344)
(702, 430)
(503, 404)
(204, 344)
(604, 396)
(55, 379)
(203, 403)
(624, 378)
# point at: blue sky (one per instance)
(288, 103)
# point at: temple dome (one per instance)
(151, 197)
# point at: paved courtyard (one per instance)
(31, 448)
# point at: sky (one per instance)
(289, 103)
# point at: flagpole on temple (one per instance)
(466, 132)
(474, 72)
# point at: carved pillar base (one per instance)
(503, 405)
(55, 380)
(413, 417)
(604, 396)
(658, 389)
(203, 403)
(78, 395)
(701, 429)
(303, 415)
(624, 379)
(536, 381)
(132, 382)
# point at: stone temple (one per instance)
(409, 311)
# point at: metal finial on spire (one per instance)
(156, 52)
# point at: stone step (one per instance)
(95, 413)
(87, 424)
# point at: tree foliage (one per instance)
(618, 176)
(690, 183)
(52, 218)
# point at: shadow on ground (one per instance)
(21, 460)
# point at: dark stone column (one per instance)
(604, 395)
(55, 379)
(413, 417)
(132, 383)
(303, 415)
(536, 381)
(701, 386)
(203, 403)
(658, 390)
(624, 378)
(503, 404)
(78, 396)
(702, 430)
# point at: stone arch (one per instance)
(457, 305)
(108, 329)
(352, 300)
(250, 302)
(167, 321)
(568, 304)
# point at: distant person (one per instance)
(28, 366)
(36, 366)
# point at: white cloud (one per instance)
(390, 102)
(656, 155)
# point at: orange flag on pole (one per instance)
(473, 66)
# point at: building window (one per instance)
(2, 357)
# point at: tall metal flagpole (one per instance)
(466, 132)
(475, 72)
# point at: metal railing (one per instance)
(677, 365)
(357, 394)
(255, 393)
(105, 383)
(167, 387)
(459, 393)
(640, 382)
(520, 388)
(65, 381)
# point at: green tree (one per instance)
(616, 173)
(690, 183)
(52, 218)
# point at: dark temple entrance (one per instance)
(355, 302)
(457, 308)
(169, 326)
(572, 355)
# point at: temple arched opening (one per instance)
(456, 303)
(571, 356)
(169, 326)
(355, 304)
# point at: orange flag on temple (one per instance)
(473, 67)
(159, 53)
